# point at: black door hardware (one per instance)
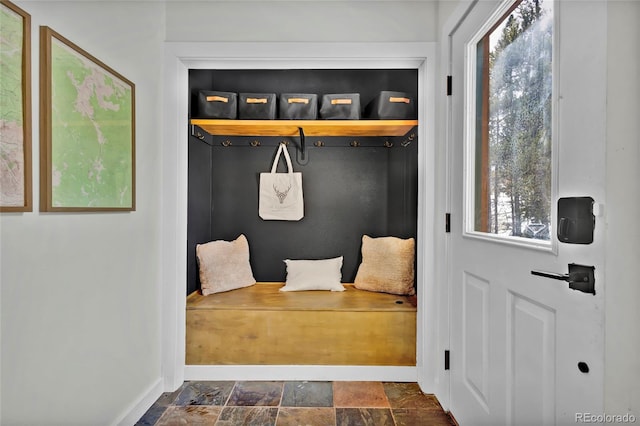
(576, 220)
(580, 277)
(583, 367)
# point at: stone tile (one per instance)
(420, 416)
(307, 394)
(247, 416)
(158, 408)
(290, 416)
(168, 398)
(359, 394)
(256, 393)
(204, 393)
(190, 415)
(364, 417)
(409, 395)
(359, 403)
(152, 415)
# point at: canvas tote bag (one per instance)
(281, 193)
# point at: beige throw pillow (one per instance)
(387, 265)
(224, 265)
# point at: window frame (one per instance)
(501, 13)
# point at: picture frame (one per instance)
(15, 109)
(87, 131)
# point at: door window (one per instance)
(509, 127)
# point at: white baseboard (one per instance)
(301, 373)
(137, 409)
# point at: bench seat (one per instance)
(260, 325)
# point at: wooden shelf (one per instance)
(310, 127)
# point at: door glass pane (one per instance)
(513, 123)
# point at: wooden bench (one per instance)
(260, 325)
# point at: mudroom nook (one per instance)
(359, 178)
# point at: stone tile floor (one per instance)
(296, 403)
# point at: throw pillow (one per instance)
(224, 265)
(324, 274)
(387, 265)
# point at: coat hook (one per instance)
(319, 144)
(408, 141)
(355, 144)
(226, 143)
(388, 144)
(255, 143)
(303, 148)
(197, 134)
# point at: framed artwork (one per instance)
(87, 131)
(15, 109)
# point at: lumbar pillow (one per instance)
(224, 265)
(387, 265)
(324, 274)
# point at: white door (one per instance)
(525, 349)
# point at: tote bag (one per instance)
(281, 193)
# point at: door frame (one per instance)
(178, 59)
(443, 200)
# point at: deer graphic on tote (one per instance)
(281, 194)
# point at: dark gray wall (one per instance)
(348, 192)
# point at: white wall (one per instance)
(622, 362)
(80, 292)
(300, 21)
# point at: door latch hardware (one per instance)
(580, 277)
(583, 367)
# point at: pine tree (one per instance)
(520, 119)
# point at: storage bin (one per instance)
(340, 106)
(391, 106)
(257, 106)
(298, 106)
(213, 104)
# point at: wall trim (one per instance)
(136, 410)
(301, 372)
(179, 58)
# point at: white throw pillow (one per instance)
(324, 274)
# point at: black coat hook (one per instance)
(302, 143)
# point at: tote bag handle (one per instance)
(282, 149)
